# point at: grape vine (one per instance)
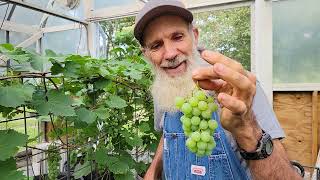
(54, 159)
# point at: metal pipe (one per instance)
(39, 9)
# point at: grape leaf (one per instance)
(82, 170)
(102, 113)
(8, 170)
(116, 102)
(101, 156)
(134, 141)
(37, 62)
(86, 116)
(127, 176)
(58, 103)
(50, 53)
(6, 47)
(117, 166)
(144, 127)
(134, 74)
(16, 95)
(9, 140)
(56, 68)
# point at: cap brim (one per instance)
(160, 11)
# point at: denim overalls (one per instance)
(177, 159)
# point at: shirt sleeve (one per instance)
(265, 115)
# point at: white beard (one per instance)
(165, 88)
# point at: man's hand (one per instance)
(235, 89)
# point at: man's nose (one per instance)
(170, 53)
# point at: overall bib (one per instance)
(222, 164)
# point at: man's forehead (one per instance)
(165, 25)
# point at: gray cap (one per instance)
(156, 8)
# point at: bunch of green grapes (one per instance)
(54, 159)
(197, 123)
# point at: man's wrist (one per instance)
(248, 138)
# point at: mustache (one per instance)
(173, 63)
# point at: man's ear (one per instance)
(196, 35)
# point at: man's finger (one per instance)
(220, 71)
(236, 106)
(213, 85)
(215, 57)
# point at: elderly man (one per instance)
(247, 139)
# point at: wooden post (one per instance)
(315, 148)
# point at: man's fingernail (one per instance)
(205, 53)
(221, 97)
(219, 68)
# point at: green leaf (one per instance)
(127, 176)
(116, 102)
(6, 47)
(117, 166)
(101, 84)
(56, 68)
(16, 95)
(85, 115)
(9, 142)
(37, 62)
(19, 58)
(144, 127)
(50, 53)
(102, 113)
(134, 74)
(134, 141)
(58, 103)
(8, 170)
(101, 156)
(82, 170)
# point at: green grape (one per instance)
(189, 115)
(182, 118)
(185, 128)
(200, 95)
(194, 127)
(193, 101)
(211, 145)
(205, 137)
(196, 111)
(195, 136)
(200, 153)
(203, 125)
(208, 152)
(210, 99)
(179, 102)
(195, 120)
(202, 105)
(194, 149)
(201, 145)
(187, 132)
(186, 108)
(212, 124)
(213, 106)
(206, 114)
(190, 143)
(187, 122)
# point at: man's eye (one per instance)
(178, 37)
(155, 46)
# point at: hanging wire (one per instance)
(5, 15)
